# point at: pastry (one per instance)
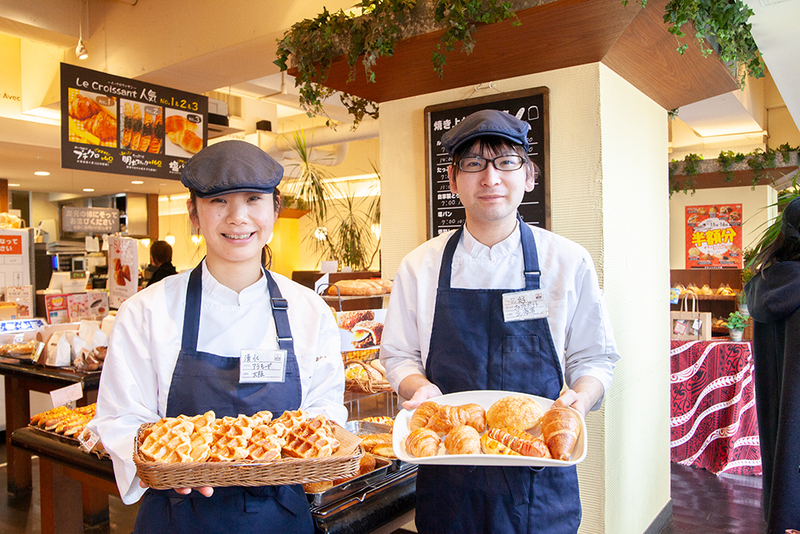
(560, 430)
(264, 444)
(520, 441)
(380, 419)
(365, 465)
(361, 287)
(348, 319)
(516, 411)
(167, 440)
(492, 446)
(230, 437)
(158, 135)
(422, 415)
(423, 442)
(367, 334)
(313, 439)
(446, 419)
(147, 132)
(136, 126)
(463, 440)
(190, 142)
(317, 487)
(474, 415)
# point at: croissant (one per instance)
(423, 442)
(190, 142)
(560, 430)
(474, 415)
(446, 419)
(520, 441)
(422, 414)
(463, 440)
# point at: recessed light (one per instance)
(42, 173)
(88, 189)
(13, 185)
(137, 182)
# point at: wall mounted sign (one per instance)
(123, 126)
(714, 236)
(91, 220)
(445, 211)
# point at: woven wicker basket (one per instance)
(365, 385)
(344, 463)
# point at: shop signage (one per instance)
(123, 271)
(714, 236)
(91, 220)
(118, 125)
(445, 211)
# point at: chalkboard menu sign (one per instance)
(445, 211)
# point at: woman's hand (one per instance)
(206, 491)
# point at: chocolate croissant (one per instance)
(423, 442)
(560, 430)
(463, 440)
(422, 415)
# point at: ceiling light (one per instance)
(13, 185)
(42, 173)
(80, 50)
(169, 238)
(88, 190)
(137, 182)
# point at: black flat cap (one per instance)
(231, 167)
(487, 122)
(790, 221)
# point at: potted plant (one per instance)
(736, 325)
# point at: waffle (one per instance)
(265, 445)
(312, 440)
(291, 419)
(168, 440)
(230, 437)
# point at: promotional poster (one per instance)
(123, 126)
(714, 236)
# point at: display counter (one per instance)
(713, 414)
(382, 507)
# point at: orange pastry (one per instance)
(423, 442)
(463, 440)
(560, 430)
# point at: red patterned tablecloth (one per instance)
(713, 408)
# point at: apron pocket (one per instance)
(521, 357)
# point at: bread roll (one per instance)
(516, 411)
(423, 442)
(422, 415)
(463, 440)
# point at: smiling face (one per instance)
(490, 197)
(236, 226)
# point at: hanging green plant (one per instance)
(726, 159)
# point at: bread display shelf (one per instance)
(485, 399)
(344, 463)
(711, 297)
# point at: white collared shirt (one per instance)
(578, 319)
(146, 339)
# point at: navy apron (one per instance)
(201, 382)
(473, 348)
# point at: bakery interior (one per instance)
(611, 87)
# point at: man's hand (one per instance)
(584, 394)
(417, 389)
(206, 491)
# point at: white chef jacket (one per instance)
(146, 338)
(578, 317)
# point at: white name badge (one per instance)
(262, 366)
(524, 305)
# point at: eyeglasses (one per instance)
(501, 163)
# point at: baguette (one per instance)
(356, 288)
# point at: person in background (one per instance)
(445, 331)
(175, 349)
(161, 259)
(773, 301)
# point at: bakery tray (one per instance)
(349, 487)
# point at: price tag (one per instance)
(679, 328)
(524, 305)
(262, 366)
(87, 440)
(65, 395)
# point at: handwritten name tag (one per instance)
(524, 305)
(262, 366)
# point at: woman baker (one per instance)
(175, 349)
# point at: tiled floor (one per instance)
(702, 504)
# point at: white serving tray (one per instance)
(485, 399)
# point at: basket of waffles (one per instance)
(257, 450)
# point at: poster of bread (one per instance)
(360, 329)
(125, 126)
(714, 236)
(123, 273)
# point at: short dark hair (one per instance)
(161, 251)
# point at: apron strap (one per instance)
(191, 315)
(529, 254)
(280, 312)
(531, 257)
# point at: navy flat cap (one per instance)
(487, 122)
(231, 167)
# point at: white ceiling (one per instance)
(242, 70)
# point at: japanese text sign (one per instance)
(714, 236)
(92, 220)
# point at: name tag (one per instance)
(262, 366)
(524, 305)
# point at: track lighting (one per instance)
(80, 50)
